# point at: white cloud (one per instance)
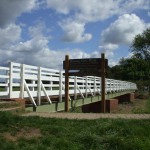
(113, 62)
(94, 10)
(38, 55)
(10, 34)
(64, 7)
(77, 14)
(85, 11)
(131, 5)
(54, 59)
(10, 9)
(108, 49)
(30, 54)
(35, 51)
(39, 30)
(74, 31)
(121, 32)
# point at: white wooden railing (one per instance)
(22, 81)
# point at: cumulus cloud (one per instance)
(108, 49)
(121, 32)
(74, 31)
(96, 10)
(86, 11)
(64, 7)
(30, 54)
(9, 35)
(131, 5)
(35, 51)
(39, 30)
(54, 59)
(10, 9)
(77, 14)
(38, 53)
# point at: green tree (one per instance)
(136, 68)
(116, 72)
(141, 45)
(132, 69)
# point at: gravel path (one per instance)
(88, 115)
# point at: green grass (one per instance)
(64, 134)
(148, 106)
(75, 109)
(144, 109)
(147, 110)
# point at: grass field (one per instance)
(35, 133)
(138, 106)
(142, 107)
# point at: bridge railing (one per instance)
(22, 81)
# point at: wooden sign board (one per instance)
(81, 64)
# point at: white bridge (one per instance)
(25, 81)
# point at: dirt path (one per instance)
(88, 115)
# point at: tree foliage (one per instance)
(136, 68)
(141, 45)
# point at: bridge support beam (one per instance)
(129, 97)
(111, 105)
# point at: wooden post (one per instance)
(103, 83)
(66, 83)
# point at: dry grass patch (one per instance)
(23, 133)
(137, 106)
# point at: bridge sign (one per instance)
(82, 64)
(85, 67)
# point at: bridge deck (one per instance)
(54, 107)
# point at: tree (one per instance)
(136, 68)
(116, 72)
(132, 69)
(141, 45)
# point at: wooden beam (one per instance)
(66, 83)
(103, 105)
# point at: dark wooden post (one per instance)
(103, 107)
(66, 83)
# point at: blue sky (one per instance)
(42, 32)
